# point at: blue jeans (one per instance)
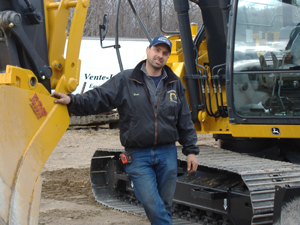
(153, 172)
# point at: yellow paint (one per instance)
(208, 124)
(66, 71)
(194, 29)
(26, 143)
(259, 131)
(27, 137)
(22, 78)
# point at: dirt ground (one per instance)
(66, 192)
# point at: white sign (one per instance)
(100, 64)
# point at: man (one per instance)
(153, 115)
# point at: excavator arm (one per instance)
(33, 61)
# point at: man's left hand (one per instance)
(192, 163)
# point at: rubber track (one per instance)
(260, 176)
(118, 204)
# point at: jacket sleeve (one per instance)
(98, 100)
(186, 129)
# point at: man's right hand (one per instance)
(61, 98)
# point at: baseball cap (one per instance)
(161, 40)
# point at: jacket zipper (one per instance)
(155, 112)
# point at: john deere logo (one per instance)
(275, 131)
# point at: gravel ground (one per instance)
(66, 192)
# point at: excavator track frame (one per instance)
(228, 186)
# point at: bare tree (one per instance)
(128, 24)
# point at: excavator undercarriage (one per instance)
(228, 188)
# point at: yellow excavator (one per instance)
(241, 69)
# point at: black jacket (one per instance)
(141, 126)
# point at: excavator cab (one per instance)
(247, 63)
(262, 79)
(265, 70)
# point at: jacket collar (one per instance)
(137, 74)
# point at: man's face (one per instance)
(157, 55)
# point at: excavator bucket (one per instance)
(286, 205)
(32, 63)
(30, 127)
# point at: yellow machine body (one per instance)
(31, 124)
(208, 124)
